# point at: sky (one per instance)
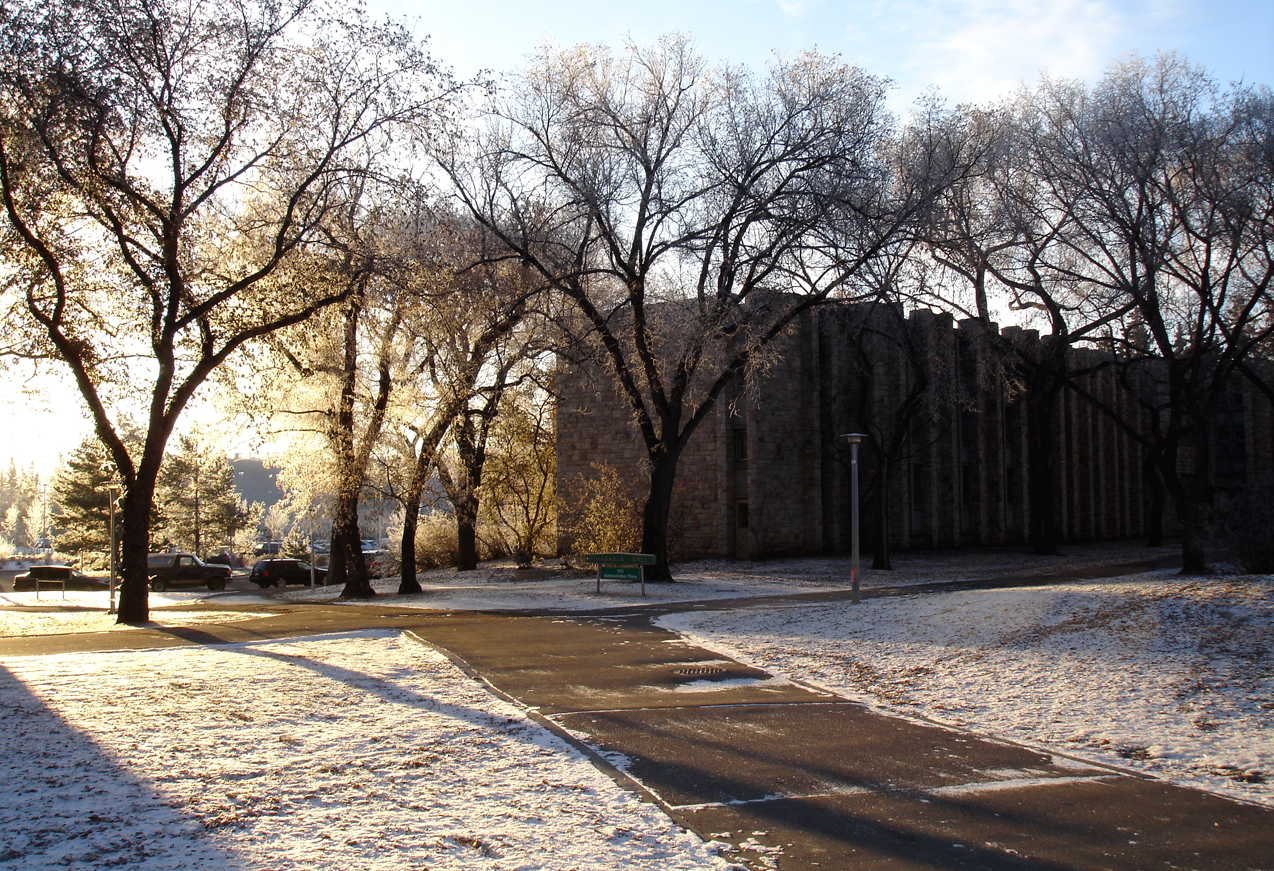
(971, 51)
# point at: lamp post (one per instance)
(113, 491)
(854, 439)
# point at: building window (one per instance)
(970, 477)
(741, 515)
(919, 474)
(1230, 435)
(740, 446)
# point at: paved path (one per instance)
(790, 776)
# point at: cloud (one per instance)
(978, 50)
(795, 8)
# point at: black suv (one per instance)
(184, 570)
(279, 572)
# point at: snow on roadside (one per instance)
(93, 617)
(492, 587)
(1165, 674)
(363, 750)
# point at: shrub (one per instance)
(436, 543)
(605, 518)
(1242, 524)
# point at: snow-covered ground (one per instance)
(492, 587)
(357, 751)
(1169, 675)
(371, 751)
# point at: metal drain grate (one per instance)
(699, 671)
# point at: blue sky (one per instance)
(972, 50)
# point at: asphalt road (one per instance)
(792, 777)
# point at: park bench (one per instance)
(621, 567)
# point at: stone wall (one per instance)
(767, 473)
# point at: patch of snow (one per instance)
(89, 614)
(490, 587)
(362, 750)
(707, 685)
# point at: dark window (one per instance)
(1012, 486)
(740, 445)
(919, 473)
(741, 515)
(1230, 434)
(969, 432)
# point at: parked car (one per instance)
(279, 572)
(55, 576)
(184, 570)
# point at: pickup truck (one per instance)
(184, 570)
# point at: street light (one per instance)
(854, 439)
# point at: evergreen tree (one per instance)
(79, 489)
(21, 507)
(198, 507)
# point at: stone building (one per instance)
(948, 462)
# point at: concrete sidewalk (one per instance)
(788, 776)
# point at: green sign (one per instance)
(620, 573)
(621, 559)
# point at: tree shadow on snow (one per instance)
(66, 800)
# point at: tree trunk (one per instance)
(654, 521)
(471, 435)
(408, 583)
(1041, 423)
(1193, 559)
(134, 590)
(466, 536)
(1154, 520)
(348, 566)
(1191, 496)
(1190, 514)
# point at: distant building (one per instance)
(255, 481)
(766, 475)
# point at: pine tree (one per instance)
(21, 508)
(79, 489)
(199, 508)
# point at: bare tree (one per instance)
(473, 344)
(1167, 192)
(336, 376)
(690, 214)
(1008, 234)
(158, 163)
